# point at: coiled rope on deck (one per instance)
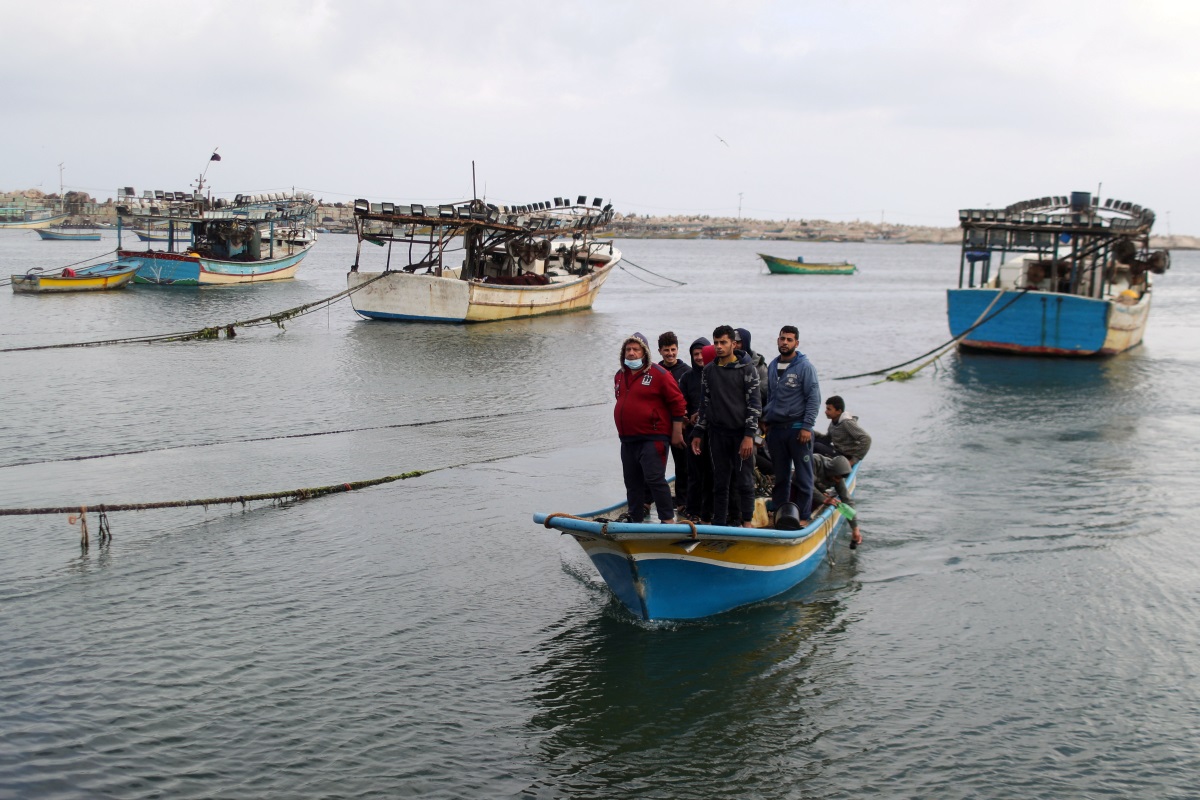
(894, 373)
(214, 332)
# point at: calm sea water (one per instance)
(1020, 622)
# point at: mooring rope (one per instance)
(909, 374)
(290, 495)
(214, 332)
(655, 274)
(421, 424)
(79, 512)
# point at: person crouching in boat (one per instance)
(829, 488)
(649, 414)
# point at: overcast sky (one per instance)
(835, 110)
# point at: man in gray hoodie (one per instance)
(792, 400)
(730, 408)
(845, 436)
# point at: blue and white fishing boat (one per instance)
(23, 217)
(67, 233)
(1072, 277)
(689, 571)
(217, 241)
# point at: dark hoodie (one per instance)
(731, 399)
(760, 363)
(690, 383)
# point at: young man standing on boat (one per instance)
(698, 504)
(668, 348)
(649, 414)
(793, 398)
(730, 408)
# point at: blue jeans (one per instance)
(788, 454)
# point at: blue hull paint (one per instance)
(690, 590)
(1036, 322)
(169, 270)
(655, 575)
(407, 317)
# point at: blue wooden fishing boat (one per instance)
(95, 278)
(70, 234)
(1072, 277)
(689, 571)
(217, 240)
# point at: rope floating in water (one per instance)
(213, 332)
(901, 375)
(290, 495)
(473, 418)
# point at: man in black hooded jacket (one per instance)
(730, 408)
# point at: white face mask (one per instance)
(634, 363)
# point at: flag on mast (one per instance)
(214, 157)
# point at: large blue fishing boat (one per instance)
(689, 571)
(1072, 276)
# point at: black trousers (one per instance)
(732, 474)
(700, 482)
(644, 465)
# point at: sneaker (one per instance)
(667, 521)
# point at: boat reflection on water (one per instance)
(670, 706)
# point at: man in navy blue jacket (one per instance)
(793, 398)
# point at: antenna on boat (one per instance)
(474, 192)
(62, 201)
(212, 158)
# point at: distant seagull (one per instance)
(722, 141)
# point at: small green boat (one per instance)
(784, 266)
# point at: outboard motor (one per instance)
(787, 517)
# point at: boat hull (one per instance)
(661, 572)
(35, 224)
(1046, 323)
(427, 298)
(183, 269)
(104, 277)
(783, 266)
(68, 236)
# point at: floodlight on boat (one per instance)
(608, 207)
(389, 208)
(376, 208)
(361, 205)
(581, 200)
(558, 202)
(446, 212)
(597, 202)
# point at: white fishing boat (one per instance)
(473, 261)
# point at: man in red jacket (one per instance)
(649, 414)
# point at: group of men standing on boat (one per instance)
(712, 418)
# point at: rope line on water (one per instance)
(291, 495)
(655, 274)
(79, 512)
(422, 424)
(213, 332)
(905, 375)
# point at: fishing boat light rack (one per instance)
(290, 206)
(545, 217)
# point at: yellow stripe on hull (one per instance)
(220, 278)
